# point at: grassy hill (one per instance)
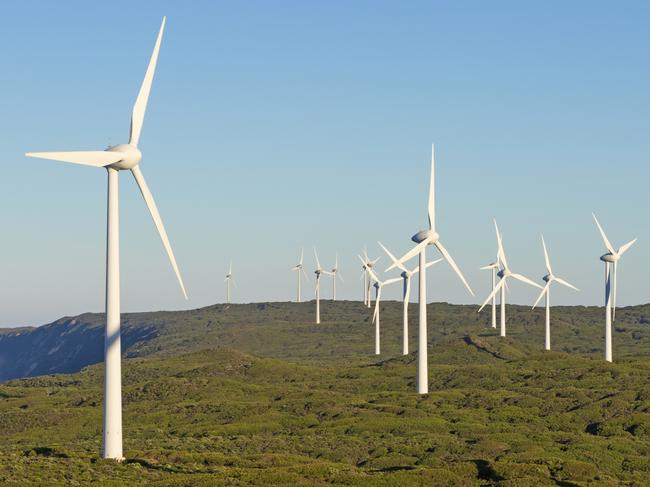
(257, 395)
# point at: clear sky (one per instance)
(277, 125)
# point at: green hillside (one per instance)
(256, 395)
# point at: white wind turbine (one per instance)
(406, 276)
(494, 267)
(335, 273)
(229, 279)
(319, 270)
(379, 284)
(114, 159)
(549, 278)
(611, 258)
(504, 274)
(423, 239)
(364, 276)
(299, 268)
(369, 265)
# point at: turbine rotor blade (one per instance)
(453, 265)
(140, 106)
(432, 192)
(565, 283)
(546, 259)
(521, 278)
(541, 295)
(392, 257)
(602, 233)
(317, 261)
(500, 254)
(98, 158)
(496, 289)
(625, 248)
(153, 209)
(410, 254)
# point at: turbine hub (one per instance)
(609, 257)
(502, 273)
(132, 156)
(424, 234)
(547, 278)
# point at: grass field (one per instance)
(258, 395)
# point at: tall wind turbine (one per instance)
(494, 267)
(406, 276)
(379, 284)
(335, 274)
(549, 278)
(228, 281)
(423, 239)
(504, 274)
(114, 159)
(300, 269)
(610, 259)
(319, 270)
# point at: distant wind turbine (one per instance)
(379, 284)
(229, 279)
(114, 159)
(370, 264)
(549, 278)
(610, 259)
(423, 239)
(300, 269)
(364, 276)
(335, 274)
(504, 274)
(494, 267)
(319, 270)
(406, 276)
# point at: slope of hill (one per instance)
(286, 330)
(499, 413)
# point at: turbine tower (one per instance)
(494, 267)
(406, 276)
(379, 284)
(335, 273)
(299, 268)
(423, 239)
(610, 259)
(228, 280)
(115, 159)
(549, 278)
(319, 270)
(504, 274)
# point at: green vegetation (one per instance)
(258, 395)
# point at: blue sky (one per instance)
(277, 125)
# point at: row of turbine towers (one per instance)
(499, 269)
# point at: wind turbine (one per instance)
(335, 273)
(319, 270)
(406, 276)
(494, 267)
(364, 276)
(228, 280)
(504, 274)
(423, 239)
(610, 259)
(114, 159)
(379, 284)
(299, 268)
(370, 264)
(549, 278)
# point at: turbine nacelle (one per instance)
(423, 235)
(547, 278)
(132, 156)
(609, 257)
